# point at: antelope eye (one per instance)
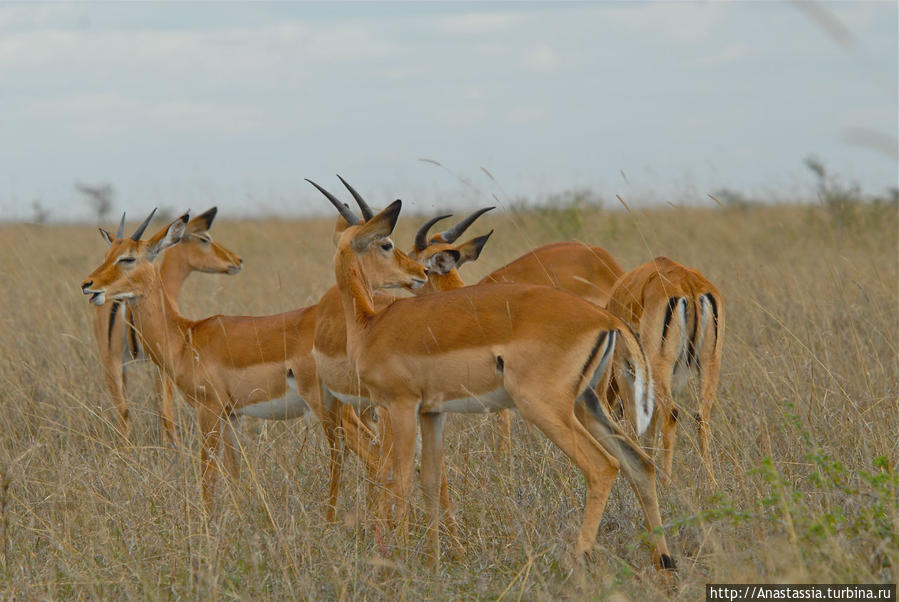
(387, 246)
(205, 239)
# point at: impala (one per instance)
(117, 340)
(587, 271)
(225, 366)
(336, 371)
(486, 347)
(680, 317)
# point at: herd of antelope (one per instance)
(587, 353)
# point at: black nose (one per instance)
(86, 284)
(427, 271)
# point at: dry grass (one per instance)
(804, 436)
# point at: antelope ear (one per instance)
(471, 250)
(379, 226)
(106, 236)
(166, 237)
(202, 222)
(443, 261)
(339, 227)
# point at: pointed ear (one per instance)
(471, 250)
(443, 261)
(339, 227)
(106, 236)
(202, 222)
(166, 237)
(379, 226)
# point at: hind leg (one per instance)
(709, 370)
(635, 464)
(666, 415)
(553, 415)
(708, 375)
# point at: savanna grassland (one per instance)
(804, 433)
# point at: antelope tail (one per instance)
(637, 368)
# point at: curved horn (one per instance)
(421, 237)
(140, 229)
(367, 212)
(120, 233)
(456, 231)
(341, 207)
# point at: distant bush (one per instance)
(561, 211)
(733, 199)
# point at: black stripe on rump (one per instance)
(610, 431)
(669, 310)
(714, 305)
(112, 314)
(599, 341)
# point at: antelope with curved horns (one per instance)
(482, 348)
(117, 341)
(680, 317)
(336, 371)
(225, 366)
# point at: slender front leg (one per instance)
(231, 446)
(403, 416)
(431, 473)
(331, 416)
(210, 429)
(166, 408)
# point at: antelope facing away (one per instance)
(117, 340)
(680, 317)
(587, 271)
(483, 348)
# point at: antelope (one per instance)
(680, 317)
(117, 340)
(587, 271)
(338, 376)
(483, 348)
(225, 366)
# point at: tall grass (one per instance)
(804, 432)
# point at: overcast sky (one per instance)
(190, 105)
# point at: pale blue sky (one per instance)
(189, 105)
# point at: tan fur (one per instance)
(196, 252)
(338, 374)
(535, 342)
(589, 272)
(220, 363)
(641, 298)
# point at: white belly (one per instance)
(493, 401)
(284, 408)
(360, 403)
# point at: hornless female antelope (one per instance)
(117, 341)
(680, 317)
(224, 365)
(589, 272)
(486, 347)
